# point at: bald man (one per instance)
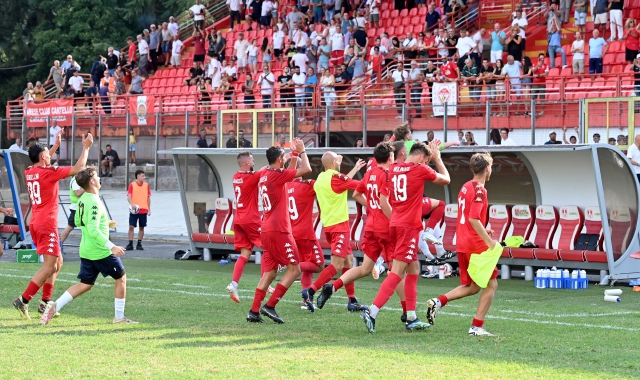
(331, 190)
(633, 153)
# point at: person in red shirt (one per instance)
(302, 198)
(450, 70)
(472, 238)
(540, 72)
(42, 184)
(277, 241)
(373, 193)
(406, 185)
(246, 222)
(131, 56)
(430, 43)
(199, 38)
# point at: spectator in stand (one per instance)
(633, 153)
(219, 44)
(342, 79)
(572, 140)
(256, 10)
(39, 93)
(601, 18)
(136, 83)
(229, 71)
(242, 142)
(119, 76)
(552, 139)
(527, 80)
(362, 41)
(108, 86)
(267, 52)
(310, 85)
(612, 141)
(580, 14)
(299, 79)
(485, 77)
(112, 60)
(425, 46)
(240, 51)
(109, 162)
(432, 18)
(359, 68)
(293, 19)
(232, 142)
(195, 75)
(597, 49)
(300, 59)
(77, 82)
(478, 41)
(512, 71)
(409, 46)
(247, 88)
(266, 81)
(470, 74)
(17, 144)
(416, 77)
(282, 141)
(553, 13)
(358, 143)
(214, 72)
(234, 11)
(57, 75)
(252, 52)
(202, 141)
(431, 74)
(441, 44)
(452, 42)
(631, 40)
(400, 77)
(555, 45)
(577, 49)
(69, 92)
(199, 38)
(176, 52)
(328, 87)
(520, 19)
(265, 14)
(506, 140)
(312, 54)
(564, 8)
(227, 91)
(290, 52)
(494, 137)
(615, 15)
(214, 139)
(636, 75)
(285, 83)
(173, 26)
(131, 54)
(539, 73)
(324, 53)
(278, 43)
(336, 46)
(304, 6)
(91, 96)
(596, 138)
(317, 11)
(155, 47)
(395, 52)
(359, 20)
(279, 22)
(97, 70)
(376, 64)
(69, 67)
(374, 13)
(204, 101)
(514, 43)
(198, 12)
(450, 70)
(143, 52)
(27, 94)
(167, 38)
(466, 48)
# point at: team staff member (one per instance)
(139, 198)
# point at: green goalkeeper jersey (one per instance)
(91, 217)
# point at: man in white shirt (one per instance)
(577, 49)
(374, 13)
(234, 11)
(198, 11)
(240, 50)
(300, 60)
(17, 145)
(506, 140)
(633, 153)
(77, 82)
(520, 20)
(229, 70)
(214, 72)
(176, 51)
(300, 38)
(400, 76)
(143, 51)
(265, 13)
(265, 81)
(381, 49)
(278, 43)
(441, 40)
(512, 70)
(299, 79)
(409, 43)
(173, 26)
(466, 46)
(53, 135)
(477, 39)
(336, 43)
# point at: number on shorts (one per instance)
(293, 209)
(400, 187)
(34, 192)
(238, 193)
(266, 202)
(373, 196)
(461, 204)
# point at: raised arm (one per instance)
(442, 177)
(87, 142)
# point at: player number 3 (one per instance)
(374, 196)
(400, 187)
(34, 192)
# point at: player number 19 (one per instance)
(400, 187)
(34, 192)
(461, 204)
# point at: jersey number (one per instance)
(293, 209)
(81, 213)
(238, 193)
(400, 187)
(266, 202)
(461, 205)
(34, 192)
(373, 196)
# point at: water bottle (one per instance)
(539, 280)
(566, 274)
(224, 262)
(583, 274)
(441, 272)
(6, 245)
(574, 279)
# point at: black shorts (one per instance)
(138, 220)
(198, 58)
(109, 266)
(277, 52)
(199, 23)
(72, 219)
(265, 20)
(56, 152)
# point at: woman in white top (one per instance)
(332, 28)
(282, 26)
(328, 85)
(253, 57)
(360, 21)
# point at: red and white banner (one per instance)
(142, 110)
(59, 111)
(444, 93)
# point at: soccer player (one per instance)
(75, 192)
(373, 193)
(246, 222)
(331, 189)
(277, 241)
(301, 199)
(97, 254)
(42, 184)
(434, 210)
(139, 198)
(406, 185)
(472, 238)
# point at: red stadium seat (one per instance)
(622, 222)
(571, 220)
(522, 221)
(412, 12)
(542, 233)
(448, 228)
(499, 222)
(218, 225)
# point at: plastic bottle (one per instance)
(224, 262)
(545, 273)
(583, 274)
(441, 272)
(574, 278)
(6, 245)
(566, 274)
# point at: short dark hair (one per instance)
(382, 152)
(240, 130)
(401, 131)
(242, 155)
(108, 146)
(420, 148)
(505, 129)
(84, 177)
(138, 172)
(274, 153)
(480, 161)
(35, 150)
(398, 146)
(596, 135)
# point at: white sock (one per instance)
(63, 300)
(440, 250)
(438, 302)
(234, 284)
(373, 311)
(411, 315)
(119, 308)
(437, 232)
(333, 288)
(425, 248)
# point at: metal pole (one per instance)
(404, 111)
(24, 125)
(73, 137)
(364, 125)
(99, 141)
(155, 153)
(445, 123)
(294, 122)
(533, 122)
(581, 119)
(219, 128)
(326, 135)
(126, 169)
(488, 125)
(186, 129)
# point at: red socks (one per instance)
(338, 284)
(443, 300)
(386, 290)
(477, 323)
(325, 276)
(277, 295)
(404, 306)
(31, 291)
(436, 215)
(238, 269)
(308, 269)
(257, 300)
(350, 287)
(411, 291)
(47, 292)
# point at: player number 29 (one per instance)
(461, 205)
(400, 187)
(266, 202)
(293, 209)
(34, 192)
(373, 196)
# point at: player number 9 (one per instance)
(374, 196)
(34, 192)
(293, 210)
(400, 187)
(266, 202)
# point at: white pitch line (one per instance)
(537, 314)
(455, 314)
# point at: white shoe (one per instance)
(378, 269)
(49, 313)
(271, 289)
(304, 306)
(124, 320)
(428, 236)
(233, 293)
(479, 331)
(432, 311)
(398, 117)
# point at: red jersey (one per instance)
(245, 188)
(372, 164)
(301, 196)
(406, 186)
(540, 71)
(132, 52)
(375, 183)
(198, 43)
(472, 204)
(449, 70)
(274, 199)
(42, 185)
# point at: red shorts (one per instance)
(463, 261)
(406, 243)
(279, 248)
(337, 57)
(376, 244)
(46, 240)
(339, 243)
(246, 236)
(310, 251)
